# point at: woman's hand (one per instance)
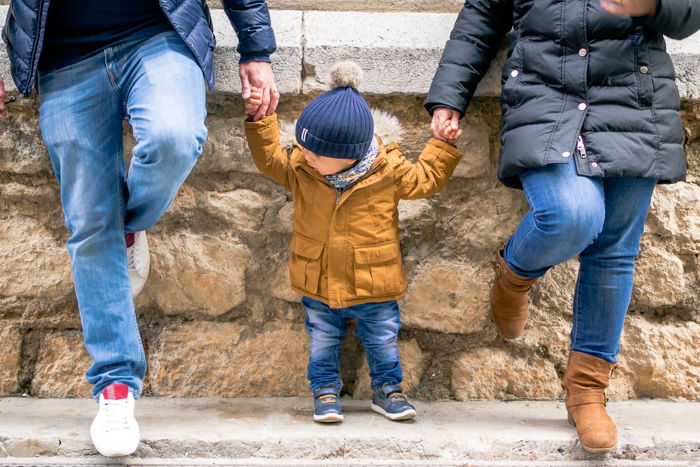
(445, 124)
(629, 7)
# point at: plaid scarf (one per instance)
(356, 172)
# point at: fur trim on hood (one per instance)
(386, 126)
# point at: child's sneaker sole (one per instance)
(328, 418)
(405, 415)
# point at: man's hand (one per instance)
(445, 124)
(2, 98)
(629, 7)
(260, 76)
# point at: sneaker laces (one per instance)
(115, 414)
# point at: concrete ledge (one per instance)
(281, 428)
(399, 52)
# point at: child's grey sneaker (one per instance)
(390, 401)
(327, 408)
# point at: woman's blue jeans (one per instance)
(377, 328)
(601, 221)
(158, 85)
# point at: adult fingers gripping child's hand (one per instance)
(253, 101)
(629, 7)
(444, 120)
(259, 75)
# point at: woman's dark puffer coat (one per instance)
(574, 69)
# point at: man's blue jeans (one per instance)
(157, 84)
(377, 328)
(601, 221)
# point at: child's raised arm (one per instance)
(427, 176)
(269, 156)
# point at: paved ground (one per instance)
(280, 432)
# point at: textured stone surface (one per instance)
(218, 302)
(60, 367)
(274, 431)
(230, 360)
(448, 297)
(11, 360)
(495, 374)
(408, 44)
(193, 274)
(27, 248)
(413, 363)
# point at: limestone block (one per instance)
(32, 262)
(11, 360)
(242, 209)
(658, 360)
(61, 365)
(226, 148)
(413, 365)
(495, 374)
(448, 297)
(356, 5)
(21, 148)
(230, 360)
(399, 52)
(659, 279)
(196, 273)
(280, 287)
(286, 62)
(674, 216)
(483, 215)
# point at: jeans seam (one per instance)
(118, 159)
(111, 77)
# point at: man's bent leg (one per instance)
(165, 99)
(81, 122)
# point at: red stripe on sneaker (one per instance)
(129, 238)
(116, 391)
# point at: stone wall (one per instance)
(218, 318)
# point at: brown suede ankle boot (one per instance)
(585, 380)
(509, 299)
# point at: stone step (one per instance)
(399, 52)
(281, 429)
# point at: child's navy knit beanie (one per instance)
(338, 123)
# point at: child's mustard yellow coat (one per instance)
(345, 246)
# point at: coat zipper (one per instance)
(32, 72)
(581, 147)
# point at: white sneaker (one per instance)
(114, 431)
(139, 261)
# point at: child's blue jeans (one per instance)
(601, 221)
(377, 328)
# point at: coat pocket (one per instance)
(378, 270)
(305, 263)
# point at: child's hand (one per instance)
(451, 133)
(629, 7)
(253, 102)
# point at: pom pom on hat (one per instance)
(345, 74)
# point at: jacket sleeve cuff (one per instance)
(245, 58)
(261, 124)
(445, 146)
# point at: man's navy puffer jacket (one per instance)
(24, 32)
